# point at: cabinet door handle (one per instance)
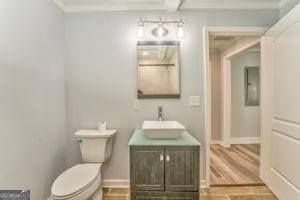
(168, 158)
(161, 157)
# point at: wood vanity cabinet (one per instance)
(164, 172)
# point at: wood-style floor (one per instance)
(211, 193)
(237, 165)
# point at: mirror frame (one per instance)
(160, 96)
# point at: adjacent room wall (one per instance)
(32, 111)
(215, 64)
(101, 75)
(245, 120)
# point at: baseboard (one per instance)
(203, 183)
(245, 140)
(219, 142)
(116, 183)
(215, 141)
(112, 183)
(239, 140)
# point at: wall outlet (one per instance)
(194, 100)
(136, 104)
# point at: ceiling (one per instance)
(221, 42)
(218, 43)
(169, 5)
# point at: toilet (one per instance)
(83, 181)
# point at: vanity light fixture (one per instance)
(180, 30)
(140, 31)
(160, 31)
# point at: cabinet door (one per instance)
(182, 168)
(147, 168)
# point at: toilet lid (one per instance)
(75, 179)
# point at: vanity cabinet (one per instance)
(166, 171)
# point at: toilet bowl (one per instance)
(83, 181)
(77, 183)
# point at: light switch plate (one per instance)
(194, 100)
(136, 104)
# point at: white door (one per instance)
(280, 153)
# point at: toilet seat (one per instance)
(77, 182)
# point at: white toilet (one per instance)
(83, 181)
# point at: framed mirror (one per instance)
(252, 86)
(158, 69)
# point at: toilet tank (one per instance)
(95, 146)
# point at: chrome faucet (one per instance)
(160, 117)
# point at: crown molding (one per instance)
(60, 4)
(229, 5)
(115, 7)
(186, 5)
(283, 3)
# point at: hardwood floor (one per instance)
(211, 193)
(237, 165)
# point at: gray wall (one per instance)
(287, 5)
(101, 75)
(32, 119)
(245, 120)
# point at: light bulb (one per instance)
(180, 30)
(140, 31)
(160, 31)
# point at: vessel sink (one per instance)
(162, 129)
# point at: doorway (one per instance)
(232, 65)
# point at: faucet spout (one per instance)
(160, 117)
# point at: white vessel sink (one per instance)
(162, 129)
